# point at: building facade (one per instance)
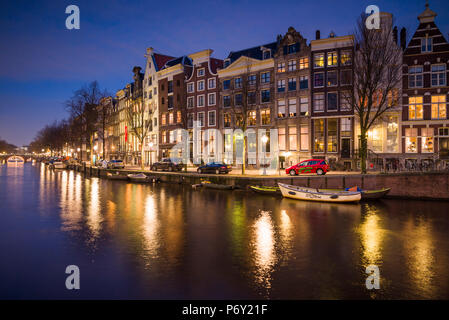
(425, 122)
(332, 119)
(292, 97)
(154, 63)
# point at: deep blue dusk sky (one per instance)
(42, 63)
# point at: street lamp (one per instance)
(264, 140)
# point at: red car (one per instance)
(318, 166)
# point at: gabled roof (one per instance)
(184, 60)
(160, 60)
(215, 64)
(254, 52)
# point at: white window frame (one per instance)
(198, 85)
(191, 84)
(198, 119)
(192, 98)
(215, 118)
(203, 70)
(208, 99)
(198, 101)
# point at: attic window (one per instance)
(266, 54)
(227, 62)
(426, 44)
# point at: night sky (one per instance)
(42, 63)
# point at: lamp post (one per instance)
(264, 140)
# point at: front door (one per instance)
(345, 148)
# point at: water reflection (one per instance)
(168, 241)
(264, 249)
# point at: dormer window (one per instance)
(227, 62)
(266, 54)
(426, 44)
(200, 72)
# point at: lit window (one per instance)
(292, 139)
(178, 117)
(265, 116)
(281, 138)
(292, 107)
(318, 60)
(439, 107)
(346, 57)
(427, 140)
(303, 63)
(304, 105)
(227, 120)
(415, 108)
(252, 118)
(318, 143)
(281, 67)
(304, 139)
(411, 145)
(332, 135)
(332, 58)
(281, 109)
(170, 118)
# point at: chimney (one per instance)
(403, 38)
(395, 34)
(317, 35)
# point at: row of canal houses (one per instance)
(295, 87)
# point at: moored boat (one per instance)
(303, 193)
(209, 185)
(59, 165)
(116, 176)
(266, 190)
(138, 177)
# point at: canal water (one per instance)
(169, 241)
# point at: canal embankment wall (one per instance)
(416, 185)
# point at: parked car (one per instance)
(166, 164)
(214, 167)
(116, 164)
(317, 166)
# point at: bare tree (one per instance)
(246, 92)
(83, 107)
(377, 75)
(139, 120)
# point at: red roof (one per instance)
(215, 64)
(161, 60)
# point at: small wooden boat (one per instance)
(303, 193)
(266, 190)
(209, 185)
(138, 177)
(116, 176)
(366, 194)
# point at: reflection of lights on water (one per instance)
(71, 202)
(421, 259)
(93, 213)
(285, 226)
(264, 248)
(150, 226)
(371, 237)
